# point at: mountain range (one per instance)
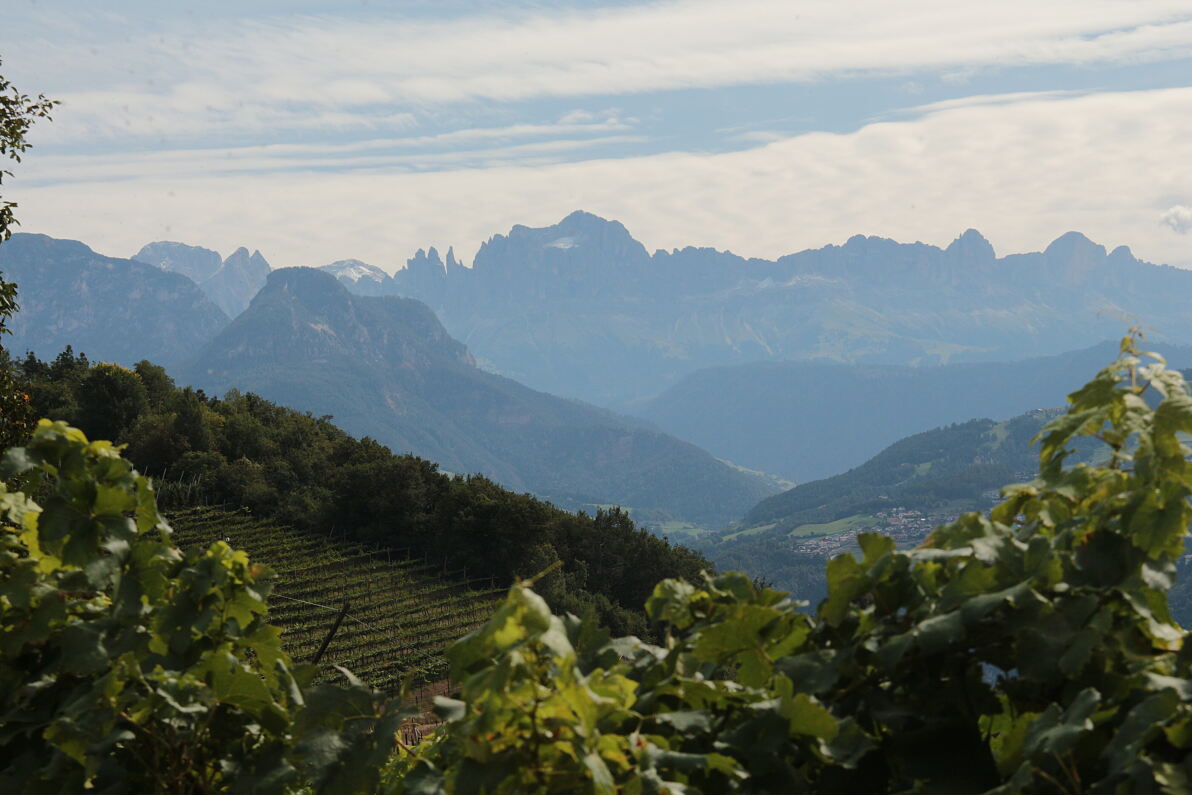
(581, 309)
(386, 368)
(820, 358)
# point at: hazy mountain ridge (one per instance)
(230, 283)
(581, 308)
(808, 420)
(115, 309)
(385, 367)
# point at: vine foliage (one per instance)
(1029, 650)
(127, 666)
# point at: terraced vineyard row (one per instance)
(402, 614)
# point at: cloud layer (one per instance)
(1177, 218)
(326, 74)
(1022, 171)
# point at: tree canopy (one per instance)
(17, 113)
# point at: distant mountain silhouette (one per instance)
(580, 308)
(385, 367)
(230, 283)
(808, 420)
(112, 309)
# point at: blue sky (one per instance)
(318, 131)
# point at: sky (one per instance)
(320, 131)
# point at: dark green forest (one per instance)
(243, 451)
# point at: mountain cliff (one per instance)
(114, 309)
(385, 367)
(230, 283)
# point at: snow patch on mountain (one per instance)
(353, 270)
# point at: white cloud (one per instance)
(330, 73)
(1022, 172)
(987, 99)
(760, 136)
(381, 154)
(1178, 218)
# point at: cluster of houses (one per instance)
(907, 526)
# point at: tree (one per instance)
(17, 113)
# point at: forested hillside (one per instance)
(904, 492)
(301, 471)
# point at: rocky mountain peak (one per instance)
(253, 265)
(117, 310)
(970, 249)
(195, 262)
(581, 241)
(354, 270)
(305, 315)
(1122, 255)
(1072, 245)
(313, 288)
(1075, 255)
(426, 262)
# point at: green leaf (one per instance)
(846, 581)
(807, 716)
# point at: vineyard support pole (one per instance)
(339, 619)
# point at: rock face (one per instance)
(112, 309)
(230, 283)
(385, 367)
(194, 262)
(581, 309)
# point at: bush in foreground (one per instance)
(126, 666)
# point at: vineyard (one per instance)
(401, 614)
